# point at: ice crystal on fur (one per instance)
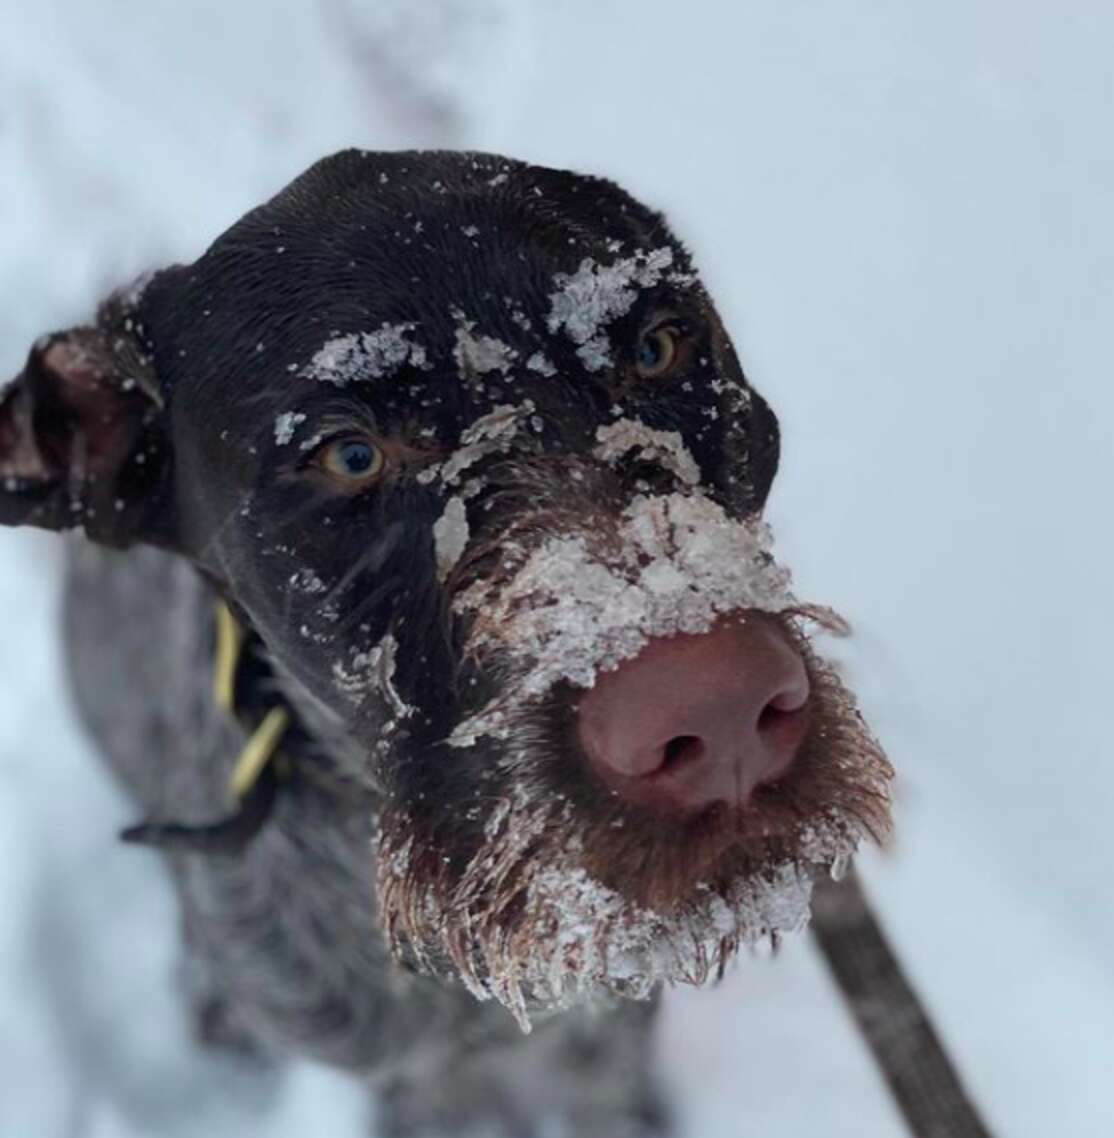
(540, 363)
(492, 433)
(285, 425)
(450, 535)
(364, 356)
(586, 301)
(477, 355)
(584, 602)
(373, 671)
(667, 448)
(307, 581)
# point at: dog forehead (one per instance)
(368, 186)
(402, 236)
(419, 282)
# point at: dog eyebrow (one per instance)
(357, 357)
(298, 413)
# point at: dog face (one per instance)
(465, 441)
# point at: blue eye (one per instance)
(356, 458)
(657, 350)
(649, 352)
(354, 461)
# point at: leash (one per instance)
(254, 782)
(890, 1016)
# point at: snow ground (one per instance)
(904, 212)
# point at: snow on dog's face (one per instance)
(460, 436)
(551, 887)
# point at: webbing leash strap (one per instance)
(890, 1016)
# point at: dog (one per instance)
(426, 613)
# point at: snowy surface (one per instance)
(904, 214)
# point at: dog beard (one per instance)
(566, 894)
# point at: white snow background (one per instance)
(905, 212)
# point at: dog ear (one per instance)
(82, 440)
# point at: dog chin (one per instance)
(538, 931)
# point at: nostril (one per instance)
(781, 731)
(682, 749)
(770, 716)
(787, 705)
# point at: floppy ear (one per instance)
(81, 438)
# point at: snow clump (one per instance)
(477, 355)
(492, 433)
(540, 363)
(450, 535)
(581, 604)
(586, 301)
(285, 425)
(363, 356)
(666, 448)
(373, 671)
(640, 948)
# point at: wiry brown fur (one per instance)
(476, 905)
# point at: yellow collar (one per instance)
(253, 783)
(262, 747)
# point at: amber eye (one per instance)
(354, 461)
(657, 351)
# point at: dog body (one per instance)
(465, 448)
(284, 954)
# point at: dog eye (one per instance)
(354, 461)
(657, 351)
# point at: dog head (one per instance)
(466, 443)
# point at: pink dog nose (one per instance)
(695, 720)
